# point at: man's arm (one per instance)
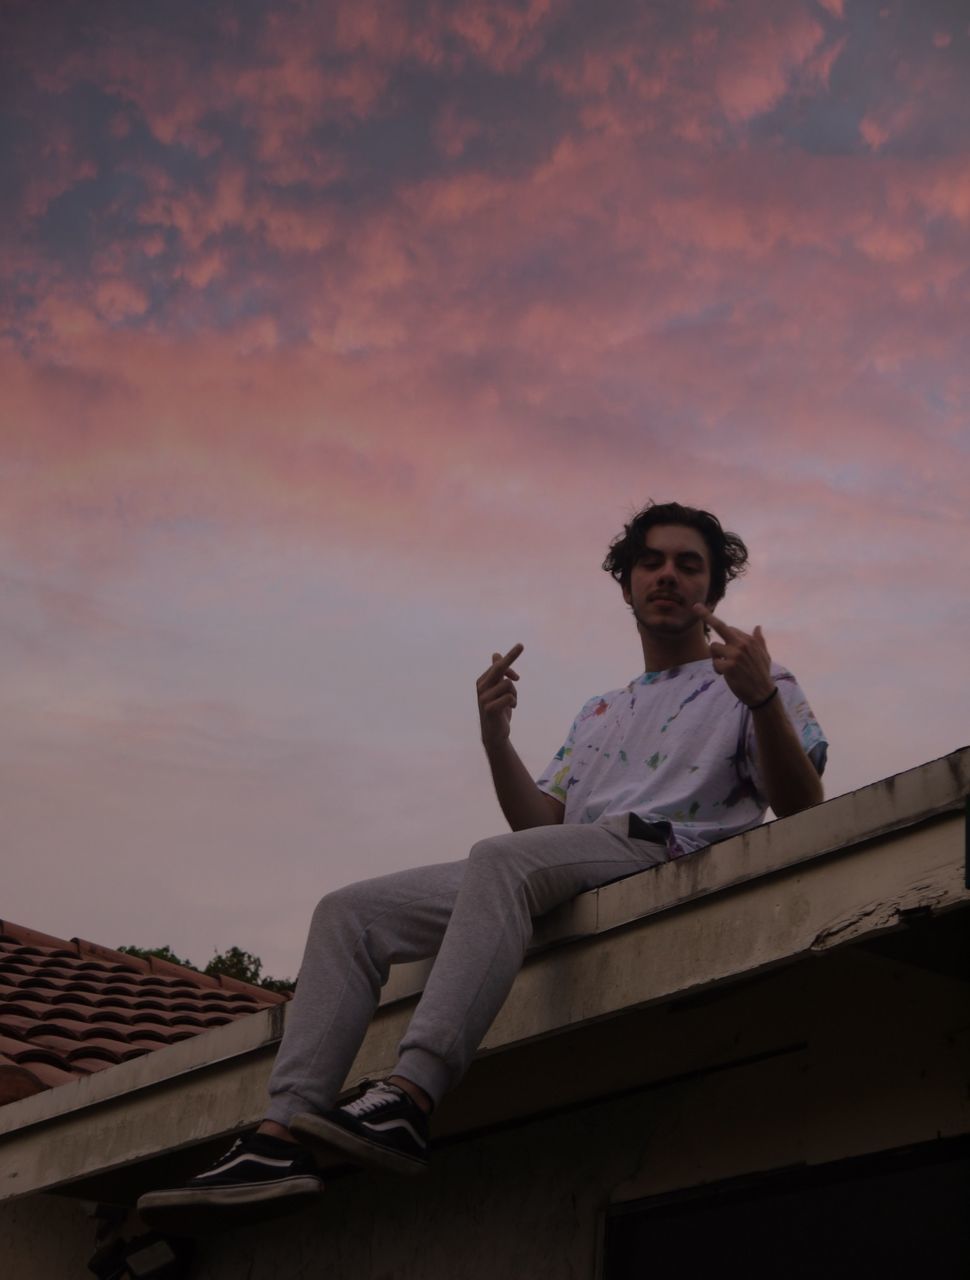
(791, 779)
(523, 804)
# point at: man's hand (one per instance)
(742, 660)
(790, 779)
(497, 698)
(523, 804)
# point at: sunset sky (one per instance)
(338, 339)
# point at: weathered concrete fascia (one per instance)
(823, 878)
(892, 804)
(235, 1040)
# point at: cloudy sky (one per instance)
(337, 340)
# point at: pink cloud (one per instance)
(759, 70)
(695, 290)
(873, 133)
(504, 36)
(203, 267)
(61, 171)
(118, 299)
(453, 131)
(947, 191)
(819, 66)
(885, 244)
(726, 67)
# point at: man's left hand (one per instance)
(743, 660)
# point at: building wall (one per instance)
(859, 1052)
(45, 1238)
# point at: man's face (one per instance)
(673, 573)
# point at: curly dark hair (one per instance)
(729, 555)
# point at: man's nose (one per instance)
(667, 573)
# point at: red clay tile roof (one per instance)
(68, 1009)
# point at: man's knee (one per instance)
(346, 905)
(498, 857)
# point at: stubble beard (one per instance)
(665, 626)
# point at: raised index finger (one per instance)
(713, 621)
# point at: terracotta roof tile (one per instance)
(13, 1046)
(20, 1082)
(26, 1008)
(16, 1024)
(87, 1066)
(37, 1053)
(64, 1045)
(71, 1008)
(70, 1027)
(50, 1075)
(76, 1005)
(150, 1037)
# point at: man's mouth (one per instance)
(661, 599)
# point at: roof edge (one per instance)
(153, 964)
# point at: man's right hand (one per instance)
(497, 698)
(523, 804)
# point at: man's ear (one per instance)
(625, 588)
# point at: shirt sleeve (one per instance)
(809, 730)
(554, 779)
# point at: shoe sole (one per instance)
(320, 1134)
(192, 1211)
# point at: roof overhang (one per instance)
(851, 869)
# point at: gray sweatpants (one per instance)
(475, 916)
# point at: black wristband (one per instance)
(764, 702)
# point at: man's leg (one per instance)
(355, 935)
(479, 913)
(507, 881)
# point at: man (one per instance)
(692, 751)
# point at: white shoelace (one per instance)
(372, 1099)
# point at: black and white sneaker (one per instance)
(259, 1177)
(382, 1128)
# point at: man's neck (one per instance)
(661, 652)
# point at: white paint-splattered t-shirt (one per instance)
(677, 748)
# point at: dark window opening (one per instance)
(898, 1213)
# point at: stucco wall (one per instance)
(45, 1238)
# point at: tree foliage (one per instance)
(233, 963)
(160, 953)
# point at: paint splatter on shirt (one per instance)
(676, 748)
